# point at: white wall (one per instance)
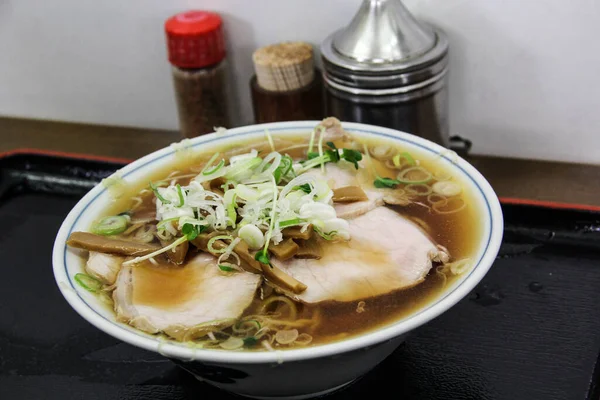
(523, 72)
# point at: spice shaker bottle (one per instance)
(286, 85)
(196, 51)
(388, 69)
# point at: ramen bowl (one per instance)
(299, 372)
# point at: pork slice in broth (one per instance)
(333, 130)
(386, 252)
(356, 209)
(104, 267)
(183, 302)
(345, 174)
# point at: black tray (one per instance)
(530, 330)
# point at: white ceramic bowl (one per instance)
(297, 373)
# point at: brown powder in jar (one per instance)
(201, 96)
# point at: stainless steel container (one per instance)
(388, 69)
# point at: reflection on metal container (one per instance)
(386, 68)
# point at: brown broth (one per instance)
(460, 233)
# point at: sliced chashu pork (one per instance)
(177, 300)
(104, 267)
(345, 174)
(386, 252)
(333, 130)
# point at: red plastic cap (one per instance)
(195, 39)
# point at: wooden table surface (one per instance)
(512, 178)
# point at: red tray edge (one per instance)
(63, 154)
(503, 200)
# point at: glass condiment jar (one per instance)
(286, 85)
(196, 49)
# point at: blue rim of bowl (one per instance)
(276, 357)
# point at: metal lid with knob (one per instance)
(384, 50)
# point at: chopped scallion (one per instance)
(414, 175)
(406, 156)
(88, 282)
(108, 226)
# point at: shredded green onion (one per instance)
(315, 159)
(215, 169)
(311, 143)
(321, 149)
(158, 195)
(231, 214)
(290, 222)
(112, 225)
(214, 239)
(88, 282)
(210, 161)
(285, 166)
(271, 225)
(157, 252)
(180, 195)
(242, 168)
(326, 235)
(161, 224)
(270, 139)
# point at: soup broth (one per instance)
(450, 220)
